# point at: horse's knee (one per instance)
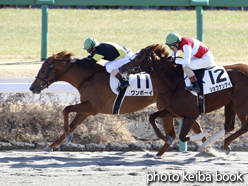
(229, 128)
(151, 118)
(66, 110)
(183, 138)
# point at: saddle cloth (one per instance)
(141, 85)
(214, 79)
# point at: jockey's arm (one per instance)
(187, 56)
(86, 62)
(89, 61)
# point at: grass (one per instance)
(225, 32)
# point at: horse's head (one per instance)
(50, 71)
(141, 61)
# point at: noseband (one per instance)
(44, 82)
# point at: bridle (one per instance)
(137, 68)
(150, 69)
(45, 83)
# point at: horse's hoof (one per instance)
(201, 149)
(157, 157)
(47, 149)
(68, 139)
(228, 151)
(169, 140)
(209, 149)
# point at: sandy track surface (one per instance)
(35, 167)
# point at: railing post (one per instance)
(44, 32)
(199, 22)
(182, 145)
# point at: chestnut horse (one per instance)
(96, 95)
(169, 81)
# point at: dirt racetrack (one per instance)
(36, 168)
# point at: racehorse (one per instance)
(96, 96)
(169, 80)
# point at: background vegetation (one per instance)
(225, 32)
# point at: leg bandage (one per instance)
(213, 138)
(198, 136)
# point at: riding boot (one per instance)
(123, 82)
(194, 85)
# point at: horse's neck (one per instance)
(164, 77)
(77, 75)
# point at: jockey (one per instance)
(196, 56)
(117, 55)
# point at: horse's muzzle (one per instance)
(35, 90)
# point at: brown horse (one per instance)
(169, 81)
(96, 95)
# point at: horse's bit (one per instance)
(45, 83)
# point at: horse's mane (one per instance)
(161, 52)
(64, 55)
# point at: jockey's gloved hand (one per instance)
(173, 60)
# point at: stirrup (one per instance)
(123, 85)
(197, 90)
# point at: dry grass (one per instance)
(24, 120)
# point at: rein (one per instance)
(150, 69)
(45, 80)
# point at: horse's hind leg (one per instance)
(79, 118)
(242, 114)
(229, 125)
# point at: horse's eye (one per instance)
(42, 71)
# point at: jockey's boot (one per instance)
(123, 82)
(194, 87)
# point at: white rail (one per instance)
(22, 85)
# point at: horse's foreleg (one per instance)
(196, 127)
(83, 108)
(152, 118)
(168, 125)
(188, 122)
(79, 118)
